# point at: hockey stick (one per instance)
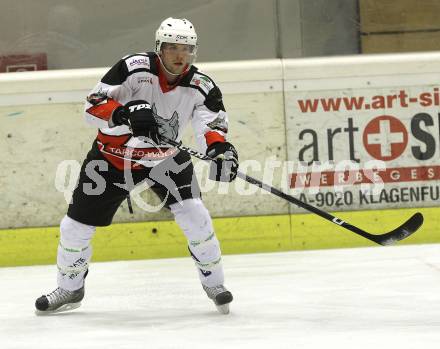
(400, 233)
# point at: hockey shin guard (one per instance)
(74, 253)
(194, 219)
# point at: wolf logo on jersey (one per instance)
(167, 128)
(219, 124)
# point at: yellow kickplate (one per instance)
(164, 239)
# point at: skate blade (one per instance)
(223, 309)
(63, 308)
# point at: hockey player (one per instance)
(142, 101)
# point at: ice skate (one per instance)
(58, 301)
(220, 296)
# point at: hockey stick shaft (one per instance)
(399, 233)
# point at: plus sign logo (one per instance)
(385, 138)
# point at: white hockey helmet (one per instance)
(176, 31)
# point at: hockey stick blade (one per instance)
(390, 238)
(400, 233)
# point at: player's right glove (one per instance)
(120, 116)
(140, 118)
(224, 168)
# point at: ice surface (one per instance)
(378, 297)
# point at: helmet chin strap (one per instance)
(163, 65)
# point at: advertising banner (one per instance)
(365, 148)
(23, 62)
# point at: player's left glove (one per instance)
(225, 165)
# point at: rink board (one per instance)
(145, 240)
(261, 97)
(50, 127)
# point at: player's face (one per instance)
(176, 57)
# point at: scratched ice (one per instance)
(378, 297)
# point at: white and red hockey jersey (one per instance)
(193, 98)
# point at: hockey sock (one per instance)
(194, 219)
(74, 253)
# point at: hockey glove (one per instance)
(142, 121)
(120, 116)
(225, 165)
